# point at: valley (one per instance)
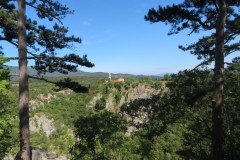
(53, 118)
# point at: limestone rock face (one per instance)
(42, 122)
(8, 157)
(141, 91)
(34, 104)
(39, 154)
(109, 103)
(94, 100)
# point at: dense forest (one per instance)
(193, 114)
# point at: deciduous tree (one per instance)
(5, 125)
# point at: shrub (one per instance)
(100, 104)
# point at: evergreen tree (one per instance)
(199, 16)
(36, 42)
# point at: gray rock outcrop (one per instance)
(34, 104)
(42, 122)
(94, 100)
(40, 154)
(141, 91)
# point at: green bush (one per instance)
(100, 104)
(117, 96)
(118, 86)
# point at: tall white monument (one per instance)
(110, 77)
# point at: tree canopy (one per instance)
(39, 43)
(220, 20)
(5, 99)
(42, 43)
(200, 16)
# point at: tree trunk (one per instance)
(23, 83)
(217, 131)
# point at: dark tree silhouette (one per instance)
(207, 15)
(38, 43)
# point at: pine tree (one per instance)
(39, 43)
(221, 16)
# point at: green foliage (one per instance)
(40, 140)
(145, 79)
(182, 104)
(199, 16)
(167, 145)
(3, 84)
(117, 96)
(188, 15)
(43, 41)
(178, 124)
(118, 86)
(59, 141)
(64, 110)
(95, 132)
(159, 84)
(3, 73)
(166, 77)
(6, 141)
(235, 65)
(232, 115)
(63, 106)
(68, 83)
(5, 118)
(100, 104)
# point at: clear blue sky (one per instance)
(117, 39)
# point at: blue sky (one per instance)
(117, 39)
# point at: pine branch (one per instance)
(194, 29)
(204, 62)
(42, 79)
(16, 58)
(231, 36)
(201, 23)
(16, 45)
(215, 4)
(3, 38)
(228, 63)
(66, 83)
(40, 9)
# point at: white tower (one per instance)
(110, 77)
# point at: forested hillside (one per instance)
(139, 118)
(54, 120)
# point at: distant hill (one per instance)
(31, 71)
